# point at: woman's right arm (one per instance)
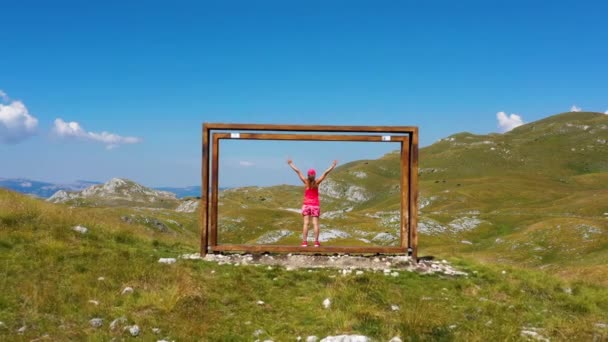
(293, 166)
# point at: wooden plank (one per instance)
(414, 194)
(204, 203)
(215, 157)
(405, 190)
(298, 249)
(312, 137)
(310, 128)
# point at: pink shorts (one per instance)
(311, 210)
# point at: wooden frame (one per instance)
(406, 136)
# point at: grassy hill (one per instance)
(55, 280)
(535, 196)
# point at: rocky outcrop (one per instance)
(351, 193)
(188, 206)
(62, 196)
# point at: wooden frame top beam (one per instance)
(310, 128)
(312, 137)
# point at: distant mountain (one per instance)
(47, 189)
(189, 191)
(42, 189)
(117, 192)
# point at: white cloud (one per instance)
(16, 123)
(606, 112)
(508, 122)
(574, 108)
(246, 163)
(73, 129)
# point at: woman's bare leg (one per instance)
(305, 228)
(315, 224)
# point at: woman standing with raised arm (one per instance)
(311, 204)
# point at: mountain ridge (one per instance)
(117, 192)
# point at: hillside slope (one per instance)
(488, 196)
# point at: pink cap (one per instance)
(312, 172)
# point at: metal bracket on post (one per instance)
(235, 135)
(386, 138)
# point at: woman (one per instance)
(310, 206)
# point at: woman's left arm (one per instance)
(333, 165)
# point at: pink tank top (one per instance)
(311, 196)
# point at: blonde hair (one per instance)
(311, 182)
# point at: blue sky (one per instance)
(148, 73)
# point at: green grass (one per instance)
(49, 273)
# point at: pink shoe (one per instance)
(317, 244)
(304, 244)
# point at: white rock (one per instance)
(80, 229)
(94, 302)
(395, 307)
(395, 339)
(134, 330)
(312, 339)
(96, 322)
(258, 332)
(466, 242)
(156, 330)
(119, 321)
(346, 338)
(326, 303)
(22, 329)
(503, 272)
(534, 335)
(453, 326)
(2, 325)
(101, 278)
(192, 256)
(259, 302)
(188, 206)
(127, 290)
(168, 261)
(465, 223)
(359, 272)
(568, 290)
